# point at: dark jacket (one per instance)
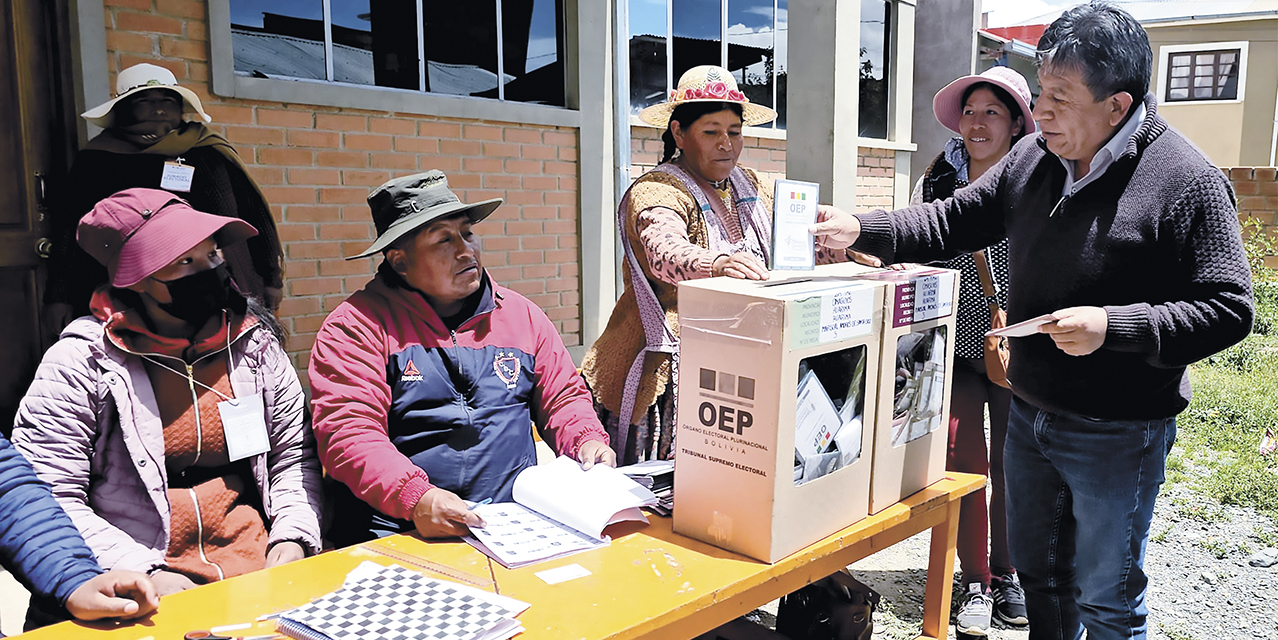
(1155, 241)
(38, 542)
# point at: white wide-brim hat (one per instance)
(707, 83)
(143, 77)
(948, 103)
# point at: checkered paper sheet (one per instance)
(400, 604)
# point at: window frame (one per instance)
(224, 82)
(1165, 53)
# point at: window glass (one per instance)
(533, 47)
(750, 48)
(279, 38)
(461, 47)
(782, 55)
(876, 38)
(696, 27)
(647, 53)
(1214, 75)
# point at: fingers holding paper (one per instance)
(442, 514)
(594, 451)
(835, 228)
(743, 266)
(1078, 331)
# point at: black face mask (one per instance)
(199, 296)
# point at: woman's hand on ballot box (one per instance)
(442, 514)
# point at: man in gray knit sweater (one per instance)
(1125, 232)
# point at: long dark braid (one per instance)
(688, 113)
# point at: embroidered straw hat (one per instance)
(404, 204)
(948, 103)
(706, 83)
(141, 77)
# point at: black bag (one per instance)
(836, 607)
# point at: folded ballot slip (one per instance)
(1022, 329)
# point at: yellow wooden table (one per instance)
(649, 583)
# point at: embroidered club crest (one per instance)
(506, 365)
(411, 372)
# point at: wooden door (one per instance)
(36, 131)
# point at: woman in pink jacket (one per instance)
(170, 423)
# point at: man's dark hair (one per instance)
(1103, 43)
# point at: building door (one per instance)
(36, 134)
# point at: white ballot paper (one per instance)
(1022, 329)
(794, 209)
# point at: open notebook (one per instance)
(396, 603)
(558, 510)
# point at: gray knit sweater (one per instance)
(1154, 241)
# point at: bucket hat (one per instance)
(136, 232)
(404, 204)
(948, 102)
(138, 78)
(706, 83)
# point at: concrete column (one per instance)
(823, 95)
(594, 97)
(945, 49)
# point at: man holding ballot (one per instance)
(1124, 232)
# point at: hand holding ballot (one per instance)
(441, 514)
(1078, 331)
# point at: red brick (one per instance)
(531, 212)
(147, 23)
(289, 195)
(538, 242)
(307, 324)
(531, 167)
(495, 259)
(313, 250)
(439, 129)
(309, 138)
(561, 198)
(504, 275)
(197, 30)
(290, 232)
(226, 114)
(393, 126)
(500, 243)
(286, 157)
(482, 165)
(560, 138)
(313, 286)
(334, 122)
(366, 179)
(255, 135)
(296, 213)
(417, 145)
(501, 150)
(125, 42)
(568, 154)
(449, 166)
(266, 175)
(524, 197)
(562, 255)
(394, 161)
(528, 287)
(197, 71)
(460, 180)
(298, 306)
(366, 142)
(343, 267)
(347, 231)
(481, 132)
(314, 176)
(190, 49)
(561, 284)
(538, 152)
(355, 283)
(144, 5)
(1248, 188)
(540, 271)
(1266, 174)
(460, 147)
(1267, 188)
(560, 313)
(560, 227)
(544, 300)
(1240, 173)
(342, 159)
(342, 195)
(523, 136)
(180, 8)
(285, 118)
(570, 298)
(568, 183)
(561, 168)
(500, 181)
(523, 228)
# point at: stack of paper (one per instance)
(396, 603)
(657, 475)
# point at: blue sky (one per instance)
(1012, 12)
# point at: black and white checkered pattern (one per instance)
(399, 604)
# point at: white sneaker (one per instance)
(974, 616)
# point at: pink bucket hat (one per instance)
(948, 103)
(136, 232)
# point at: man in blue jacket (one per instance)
(43, 549)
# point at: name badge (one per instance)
(244, 424)
(177, 176)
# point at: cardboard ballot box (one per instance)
(916, 368)
(776, 380)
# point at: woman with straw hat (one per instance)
(154, 136)
(698, 214)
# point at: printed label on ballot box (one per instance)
(923, 298)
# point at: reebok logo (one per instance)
(411, 373)
(726, 418)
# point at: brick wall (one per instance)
(1257, 191)
(317, 165)
(875, 167)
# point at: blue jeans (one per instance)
(1080, 496)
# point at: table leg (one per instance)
(940, 575)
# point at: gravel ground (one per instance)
(1203, 586)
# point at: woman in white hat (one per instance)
(991, 113)
(698, 214)
(149, 142)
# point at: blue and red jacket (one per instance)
(402, 403)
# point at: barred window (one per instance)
(509, 50)
(1202, 75)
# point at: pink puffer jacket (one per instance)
(90, 426)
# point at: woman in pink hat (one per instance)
(155, 135)
(170, 423)
(991, 113)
